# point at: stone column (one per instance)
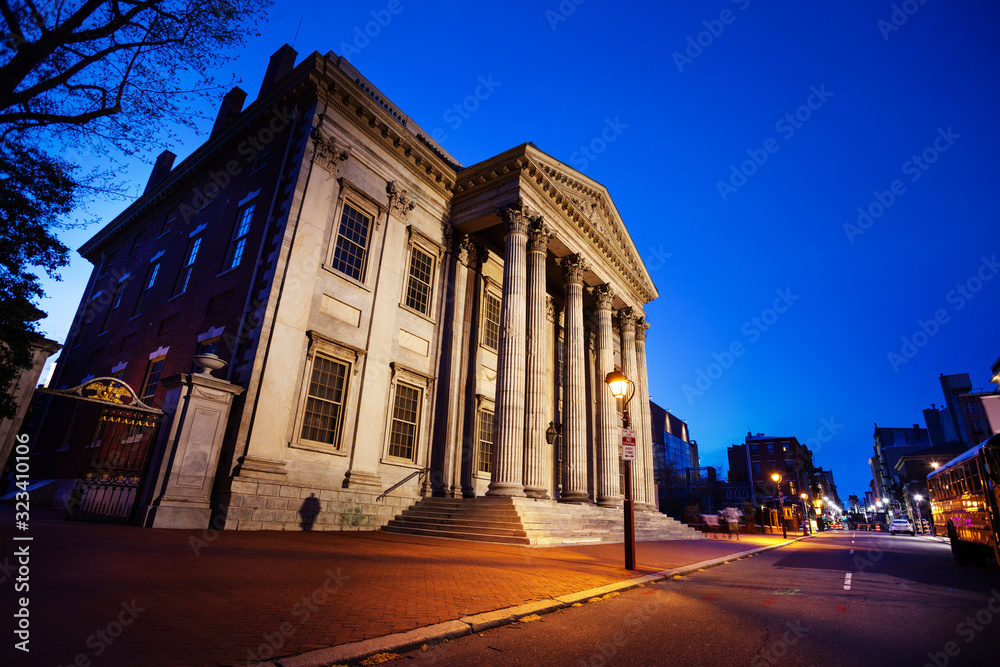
(466, 462)
(508, 447)
(608, 424)
(574, 386)
(534, 468)
(630, 369)
(186, 457)
(450, 482)
(645, 441)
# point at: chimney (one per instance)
(160, 169)
(232, 105)
(281, 63)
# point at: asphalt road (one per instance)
(841, 598)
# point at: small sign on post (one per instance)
(628, 444)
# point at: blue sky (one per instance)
(738, 140)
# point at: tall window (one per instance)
(756, 467)
(146, 286)
(325, 405)
(184, 277)
(491, 322)
(352, 243)
(405, 415)
(168, 224)
(116, 299)
(754, 450)
(418, 288)
(239, 242)
(136, 242)
(485, 457)
(770, 448)
(152, 377)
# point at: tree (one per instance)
(114, 73)
(103, 76)
(34, 189)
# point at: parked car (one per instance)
(901, 526)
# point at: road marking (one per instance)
(852, 550)
(847, 582)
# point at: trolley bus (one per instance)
(965, 495)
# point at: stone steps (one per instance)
(530, 521)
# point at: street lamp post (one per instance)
(623, 388)
(805, 514)
(781, 504)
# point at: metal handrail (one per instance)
(401, 482)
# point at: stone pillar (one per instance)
(574, 386)
(608, 424)
(534, 468)
(630, 369)
(645, 441)
(508, 448)
(451, 462)
(184, 464)
(466, 462)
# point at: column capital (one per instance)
(603, 295)
(572, 267)
(516, 218)
(470, 253)
(626, 320)
(640, 329)
(538, 236)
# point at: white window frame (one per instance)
(425, 384)
(492, 290)
(359, 200)
(319, 344)
(419, 240)
(483, 404)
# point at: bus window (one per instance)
(974, 480)
(961, 480)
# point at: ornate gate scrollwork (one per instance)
(122, 436)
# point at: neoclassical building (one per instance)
(387, 314)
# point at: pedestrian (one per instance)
(733, 519)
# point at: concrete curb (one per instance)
(401, 642)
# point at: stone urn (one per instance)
(206, 363)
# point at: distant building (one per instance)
(826, 488)
(854, 503)
(968, 416)
(760, 456)
(21, 391)
(675, 461)
(890, 443)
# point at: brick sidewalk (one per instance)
(204, 599)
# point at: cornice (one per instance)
(367, 112)
(191, 170)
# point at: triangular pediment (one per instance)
(584, 206)
(590, 207)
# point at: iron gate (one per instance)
(118, 441)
